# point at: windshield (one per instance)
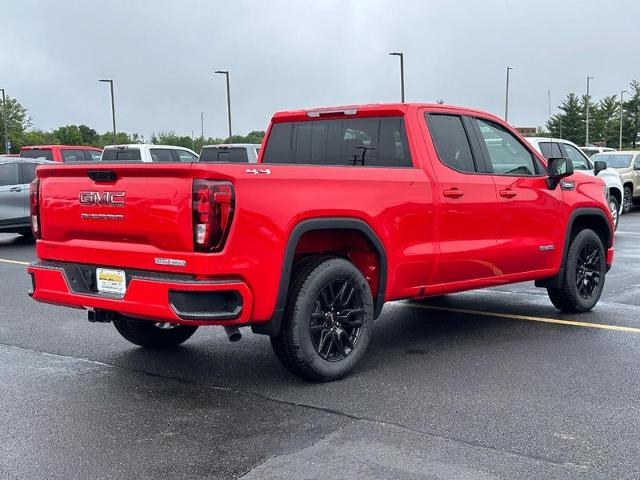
(45, 153)
(614, 161)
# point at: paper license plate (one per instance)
(111, 281)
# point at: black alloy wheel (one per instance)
(337, 320)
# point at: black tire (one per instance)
(614, 206)
(584, 274)
(317, 340)
(627, 201)
(146, 334)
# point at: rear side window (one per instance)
(8, 174)
(369, 142)
(95, 155)
(45, 153)
(550, 150)
(224, 154)
(451, 141)
(161, 155)
(73, 156)
(185, 156)
(28, 172)
(121, 155)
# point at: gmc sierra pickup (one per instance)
(346, 209)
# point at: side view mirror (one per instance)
(557, 169)
(598, 166)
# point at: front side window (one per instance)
(451, 142)
(579, 161)
(8, 174)
(506, 154)
(368, 142)
(186, 156)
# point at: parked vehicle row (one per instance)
(346, 209)
(16, 174)
(627, 164)
(556, 148)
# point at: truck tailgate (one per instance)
(145, 208)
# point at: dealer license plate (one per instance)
(111, 281)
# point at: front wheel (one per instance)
(584, 272)
(327, 322)
(627, 201)
(614, 206)
(153, 335)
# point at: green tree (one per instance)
(67, 135)
(631, 115)
(569, 122)
(17, 122)
(605, 124)
(89, 135)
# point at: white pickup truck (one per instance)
(140, 152)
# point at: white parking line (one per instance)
(14, 262)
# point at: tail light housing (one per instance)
(213, 205)
(34, 207)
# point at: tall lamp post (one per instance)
(621, 107)
(506, 96)
(401, 55)
(113, 107)
(586, 135)
(226, 74)
(4, 121)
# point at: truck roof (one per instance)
(371, 109)
(66, 147)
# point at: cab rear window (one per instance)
(368, 142)
(224, 154)
(45, 153)
(121, 155)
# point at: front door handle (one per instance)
(15, 189)
(508, 193)
(453, 193)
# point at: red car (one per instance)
(62, 153)
(348, 208)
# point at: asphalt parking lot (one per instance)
(480, 385)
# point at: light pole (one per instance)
(202, 124)
(113, 107)
(401, 55)
(506, 96)
(586, 135)
(4, 121)
(226, 74)
(621, 107)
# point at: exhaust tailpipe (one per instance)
(233, 334)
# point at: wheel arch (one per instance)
(579, 219)
(317, 224)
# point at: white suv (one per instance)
(139, 152)
(556, 148)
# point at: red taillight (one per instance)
(34, 206)
(213, 203)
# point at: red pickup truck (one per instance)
(347, 208)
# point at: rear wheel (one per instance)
(327, 322)
(614, 206)
(584, 274)
(153, 335)
(627, 201)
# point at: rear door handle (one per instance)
(453, 193)
(508, 193)
(15, 189)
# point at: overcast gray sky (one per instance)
(292, 54)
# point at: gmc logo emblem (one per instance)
(111, 199)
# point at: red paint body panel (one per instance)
(434, 244)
